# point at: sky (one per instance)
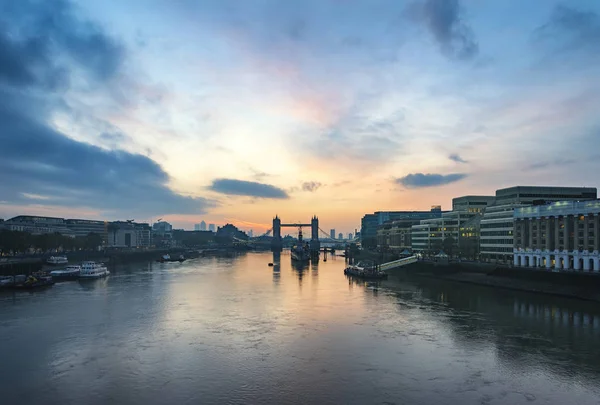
(237, 111)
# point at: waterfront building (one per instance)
(445, 233)
(497, 225)
(562, 236)
(332, 233)
(162, 227)
(396, 235)
(36, 225)
(212, 227)
(371, 222)
(129, 234)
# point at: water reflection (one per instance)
(233, 330)
(537, 332)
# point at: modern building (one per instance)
(129, 234)
(396, 235)
(162, 227)
(38, 225)
(196, 227)
(250, 233)
(562, 235)
(497, 225)
(340, 236)
(371, 222)
(212, 227)
(332, 233)
(350, 236)
(203, 226)
(450, 230)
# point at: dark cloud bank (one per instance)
(247, 188)
(421, 180)
(42, 44)
(445, 21)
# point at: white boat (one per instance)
(71, 272)
(57, 260)
(93, 270)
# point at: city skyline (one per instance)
(398, 106)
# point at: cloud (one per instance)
(45, 47)
(39, 161)
(456, 157)
(420, 180)
(247, 188)
(445, 21)
(311, 186)
(44, 32)
(569, 29)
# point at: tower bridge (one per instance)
(314, 245)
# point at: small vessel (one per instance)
(365, 269)
(167, 258)
(57, 260)
(33, 281)
(301, 251)
(6, 281)
(70, 273)
(93, 270)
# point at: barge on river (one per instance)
(365, 269)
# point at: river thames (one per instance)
(235, 331)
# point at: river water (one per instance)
(235, 331)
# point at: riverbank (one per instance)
(583, 286)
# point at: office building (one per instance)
(129, 234)
(36, 225)
(250, 233)
(371, 222)
(562, 235)
(450, 230)
(212, 227)
(497, 225)
(203, 226)
(332, 233)
(396, 235)
(340, 236)
(350, 236)
(196, 227)
(162, 227)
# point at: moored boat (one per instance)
(167, 258)
(57, 260)
(301, 251)
(69, 273)
(91, 270)
(365, 269)
(32, 282)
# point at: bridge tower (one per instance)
(276, 243)
(315, 245)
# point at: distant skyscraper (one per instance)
(350, 235)
(203, 226)
(196, 227)
(332, 233)
(341, 236)
(212, 228)
(250, 233)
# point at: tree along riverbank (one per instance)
(585, 286)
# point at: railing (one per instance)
(398, 263)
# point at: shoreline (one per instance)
(510, 284)
(572, 285)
